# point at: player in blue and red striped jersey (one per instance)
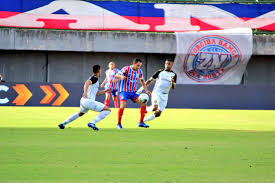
(109, 82)
(129, 76)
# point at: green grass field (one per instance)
(183, 146)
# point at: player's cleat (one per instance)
(61, 126)
(143, 125)
(119, 126)
(91, 125)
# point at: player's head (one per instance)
(137, 63)
(97, 70)
(169, 64)
(111, 65)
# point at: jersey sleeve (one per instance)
(93, 79)
(156, 75)
(123, 70)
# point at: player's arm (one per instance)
(103, 83)
(103, 92)
(120, 75)
(144, 86)
(85, 90)
(149, 81)
(174, 81)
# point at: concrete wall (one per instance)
(23, 66)
(36, 55)
(106, 41)
(75, 67)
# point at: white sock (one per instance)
(149, 108)
(149, 118)
(71, 118)
(100, 116)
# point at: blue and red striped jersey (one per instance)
(111, 75)
(129, 84)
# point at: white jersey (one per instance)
(93, 88)
(89, 103)
(163, 81)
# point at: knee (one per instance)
(143, 105)
(155, 108)
(81, 114)
(106, 109)
(122, 105)
(157, 113)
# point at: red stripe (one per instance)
(125, 80)
(7, 14)
(131, 84)
(110, 79)
(114, 77)
(136, 79)
(56, 23)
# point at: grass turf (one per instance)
(198, 146)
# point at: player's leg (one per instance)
(120, 113)
(154, 105)
(160, 102)
(103, 112)
(73, 117)
(123, 98)
(152, 116)
(107, 99)
(115, 98)
(142, 112)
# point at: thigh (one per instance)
(83, 109)
(154, 100)
(124, 96)
(134, 96)
(94, 105)
(163, 99)
(114, 93)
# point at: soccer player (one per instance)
(165, 79)
(129, 76)
(88, 102)
(109, 83)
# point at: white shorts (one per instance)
(160, 100)
(89, 104)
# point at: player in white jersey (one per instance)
(109, 83)
(165, 79)
(88, 101)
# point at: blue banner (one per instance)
(132, 16)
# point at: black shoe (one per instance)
(61, 126)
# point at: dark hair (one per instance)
(169, 60)
(136, 60)
(96, 69)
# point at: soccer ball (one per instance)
(143, 98)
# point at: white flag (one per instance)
(213, 57)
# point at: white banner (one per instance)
(213, 57)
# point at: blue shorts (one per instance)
(114, 93)
(129, 95)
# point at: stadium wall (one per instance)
(47, 57)
(185, 96)
(35, 55)
(75, 67)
